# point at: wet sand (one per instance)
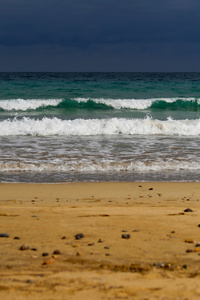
(137, 241)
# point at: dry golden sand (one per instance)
(152, 264)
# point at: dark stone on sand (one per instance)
(126, 236)
(24, 247)
(107, 254)
(56, 251)
(16, 238)
(100, 241)
(90, 244)
(34, 216)
(34, 249)
(106, 247)
(197, 245)
(6, 235)
(29, 281)
(188, 210)
(124, 230)
(189, 251)
(184, 266)
(63, 238)
(79, 236)
(150, 189)
(172, 231)
(45, 254)
(198, 225)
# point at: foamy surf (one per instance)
(94, 127)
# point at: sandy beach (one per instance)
(100, 241)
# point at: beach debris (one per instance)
(6, 235)
(79, 236)
(76, 245)
(49, 261)
(24, 247)
(56, 251)
(126, 236)
(45, 254)
(188, 210)
(189, 250)
(191, 241)
(170, 266)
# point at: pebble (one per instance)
(24, 247)
(198, 225)
(188, 210)
(63, 238)
(78, 253)
(189, 241)
(49, 261)
(79, 236)
(4, 235)
(34, 249)
(45, 254)
(56, 252)
(100, 241)
(16, 238)
(126, 236)
(150, 189)
(184, 266)
(197, 250)
(76, 245)
(189, 250)
(90, 244)
(106, 247)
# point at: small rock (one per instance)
(106, 247)
(197, 250)
(107, 254)
(57, 252)
(34, 249)
(198, 225)
(100, 241)
(6, 235)
(16, 238)
(78, 253)
(79, 236)
(188, 210)
(184, 266)
(45, 254)
(189, 250)
(126, 236)
(24, 247)
(63, 238)
(124, 230)
(76, 245)
(91, 244)
(150, 189)
(189, 241)
(49, 261)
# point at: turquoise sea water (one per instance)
(58, 127)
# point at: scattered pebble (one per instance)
(49, 261)
(150, 189)
(189, 241)
(63, 238)
(24, 247)
(78, 253)
(34, 216)
(106, 247)
(124, 230)
(57, 252)
(126, 236)
(198, 225)
(188, 210)
(34, 249)
(100, 241)
(16, 238)
(197, 250)
(107, 254)
(90, 244)
(79, 236)
(4, 235)
(197, 245)
(76, 245)
(189, 250)
(45, 254)
(184, 266)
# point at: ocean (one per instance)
(67, 127)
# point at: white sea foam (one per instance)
(113, 126)
(133, 103)
(22, 104)
(99, 166)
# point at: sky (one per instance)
(100, 35)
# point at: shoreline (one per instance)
(157, 257)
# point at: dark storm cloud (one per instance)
(88, 25)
